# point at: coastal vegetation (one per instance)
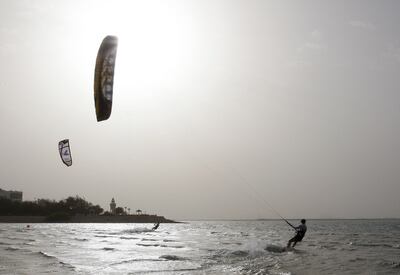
(70, 210)
(54, 210)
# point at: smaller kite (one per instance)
(65, 152)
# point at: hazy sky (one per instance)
(218, 105)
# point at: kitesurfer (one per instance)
(156, 226)
(300, 232)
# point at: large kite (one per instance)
(104, 77)
(65, 152)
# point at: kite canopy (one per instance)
(104, 77)
(65, 152)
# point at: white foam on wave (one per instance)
(46, 255)
(254, 246)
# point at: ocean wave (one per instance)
(277, 248)
(136, 260)
(149, 240)
(44, 254)
(216, 254)
(160, 245)
(55, 260)
(329, 247)
(166, 240)
(172, 258)
(226, 254)
(108, 248)
(166, 271)
(239, 253)
(231, 242)
(145, 244)
(13, 248)
(391, 264)
(66, 265)
(172, 246)
(20, 239)
(81, 239)
(50, 257)
(357, 259)
(267, 266)
(112, 233)
(376, 245)
(395, 264)
(137, 230)
(128, 238)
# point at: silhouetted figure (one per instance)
(156, 226)
(300, 232)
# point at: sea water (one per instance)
(201, 247)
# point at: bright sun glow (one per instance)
(152, 49)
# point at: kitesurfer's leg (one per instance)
(296, 239)
(290, 241)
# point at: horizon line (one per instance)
(277, 219)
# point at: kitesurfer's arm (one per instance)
(291, 225)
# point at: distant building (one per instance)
(11, 195)
(113, 206)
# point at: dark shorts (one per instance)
(296, 238)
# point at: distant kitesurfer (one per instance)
(156, 226)
(300, 232)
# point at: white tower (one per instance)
(113, 205)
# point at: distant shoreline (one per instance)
(89, 219)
